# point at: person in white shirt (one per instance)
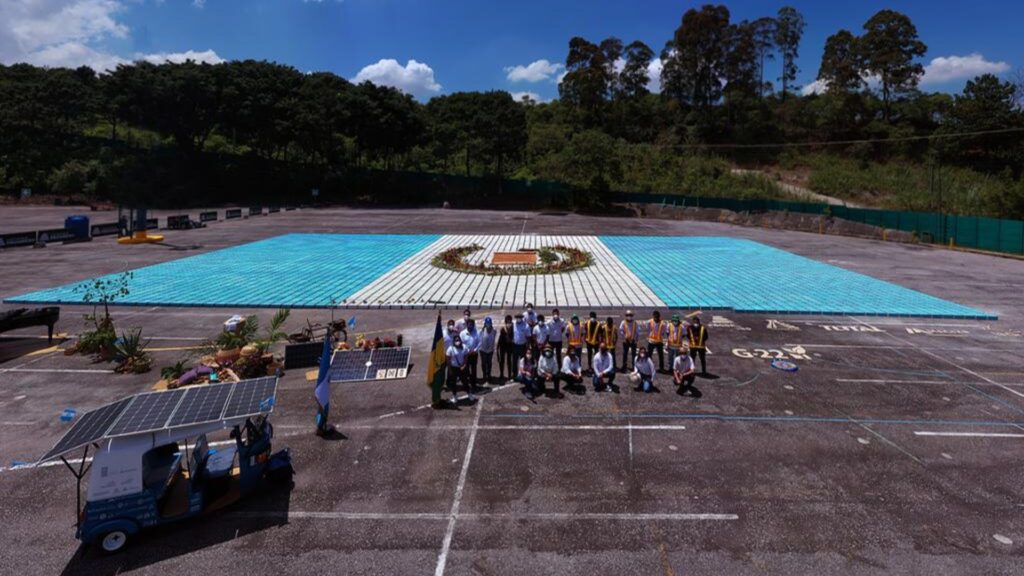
(527, 375)
(471, 342)
(684, 373)
(556, 328)
(488, 340)
(572, 372)
(604, 370)
(547, 371)
(521, 335)
(457, 372)
(540, 335)
(643, 369)
(530, 315)
(460, 324)
(448, 332)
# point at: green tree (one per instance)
(764, 42)
(789, 29)
(986, 104)
(888, 48)
(695, 58)
(841, 67)
(634, 77)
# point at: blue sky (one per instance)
(429, 47)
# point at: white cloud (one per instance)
(535, 71)
(816, 87)
(199, 3)
(71, 33)
(654, 76)
(947, 68)
(518, 96)
(208, 56)
(414, 78)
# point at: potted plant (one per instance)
(131, 349)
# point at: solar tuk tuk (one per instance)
(143, 472)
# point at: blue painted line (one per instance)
(790, 419)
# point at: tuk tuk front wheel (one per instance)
(113, 541)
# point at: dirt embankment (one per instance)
(817, 223)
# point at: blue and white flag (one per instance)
(323, 380)
(352, 322)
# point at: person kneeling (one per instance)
(604, 370)
(572, 371)
(547, 371)
(527, 375)
(643, 371)
(684, 372)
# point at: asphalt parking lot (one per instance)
(896, 447)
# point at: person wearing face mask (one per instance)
(488, 341)
(684, 373)
(698, 339)
(457, 371)
(628, 329)
(556, 328)
(460, 324)
(521, 336)
(506, 357)
(675, 338)
(604, 370)
(530, 315)
(643, 371)
(547, 372)
(572, 371)
(609, 336)
(527, 375)
(540, 335)
(471, 342)
(574, 335)
(656, 328)
(449, 333)
(592, 337)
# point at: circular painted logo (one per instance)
(785, 365)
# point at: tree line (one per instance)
(179, 132)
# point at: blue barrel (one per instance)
(79, 226)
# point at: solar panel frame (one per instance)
(349, 365)
(92, 426)
(201, 404)
(148, 413)
(249, 397)
(155, 411)
(389, 364)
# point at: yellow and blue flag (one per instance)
(438, 363)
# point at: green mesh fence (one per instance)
(992, 234)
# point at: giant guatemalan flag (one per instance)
(436, 366)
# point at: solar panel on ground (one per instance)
(388, 363)
(201, 404)
(147, 412)
(378, 364)
(90, 427)
(251, 397)
(349, 365)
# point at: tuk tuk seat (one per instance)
(161, 465)
(219, 462)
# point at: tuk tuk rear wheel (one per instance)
(113, 541)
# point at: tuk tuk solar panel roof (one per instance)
(155, 411)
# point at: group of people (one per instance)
(543, 353)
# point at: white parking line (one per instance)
(435, 516)
(968, 434)
(446, 544)
(59, 371)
